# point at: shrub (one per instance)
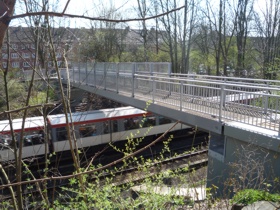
(249, 196)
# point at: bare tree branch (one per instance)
(27, 107)
(66, 6)
(58, 14)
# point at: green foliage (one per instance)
(18, 93)
(111, 196)
(271, 70)
(197, 58)
(5, 204)
(162, 56)
(249, 196)
(104, 45)
(38, 98)
(109, 45)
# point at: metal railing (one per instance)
(254, 102)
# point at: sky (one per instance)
(94, 8)
(91, 8)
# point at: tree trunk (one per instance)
(6, 11)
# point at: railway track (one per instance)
(184, 159)
(195, 159)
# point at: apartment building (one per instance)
(22, 47)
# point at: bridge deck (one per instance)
(205, 99)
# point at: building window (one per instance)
(50, 63)
(14, 46)
(4, 47)
(14, 55)
(4, 55)
(33, 55)
(33, 46)
(26, 55)
(25, 46)
(26, 64)
(4, 64)
(15, 64)
(58, 55)
(60, 63)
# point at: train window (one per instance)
(163, 120)
(87, 130)
(61, 134)
(33, 138)
(5, 141)
(106, 128)
(149, 121)
(131, 123)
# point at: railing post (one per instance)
(222, 102)
(279, 130)
(152, 79)
(79, 66)
(152, 67)
(169, 84)
(169, 68)
(265, 102)
(117, 77)
(105, 73)
(73, 74)
(154, 89)
(94, 74)
(86, 73)
(132, 77)
(181, 95)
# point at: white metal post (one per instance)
(154, 89)
(169, 68)
(86, 73)
(117, 77)
(279, 130)
(265, 102)
(132, 77)
(105, 73)
(71, 75)
(79, 72)
(222, 102)
(181, 95)
(94, 74)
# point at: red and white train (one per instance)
(91, 128)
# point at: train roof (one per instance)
(31, 123)
(95, 116)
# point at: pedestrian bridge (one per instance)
(241, 114)
(207, 102)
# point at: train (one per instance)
(91, 128)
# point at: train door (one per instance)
(121, 125)
(99, 128)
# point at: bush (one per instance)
(249, 196)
